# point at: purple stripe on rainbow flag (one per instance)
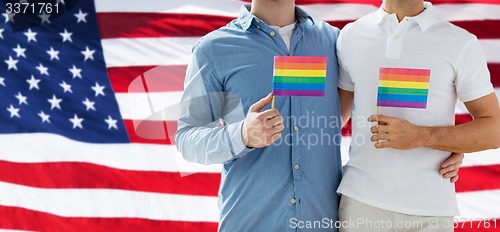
(315, 93)
(402, 104)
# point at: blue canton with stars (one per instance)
(53, 79)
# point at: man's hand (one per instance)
(449, 168)
(261, 129)
(397, 133)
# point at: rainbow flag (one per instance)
(299, 75)
(403, 87)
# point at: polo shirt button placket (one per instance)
(395, 42)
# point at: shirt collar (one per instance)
(379, 15)
(246, 18)
(425, 20)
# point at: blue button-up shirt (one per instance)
(291, 183)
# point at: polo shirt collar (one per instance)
(425, 20)
(246, 18)
(379, 15)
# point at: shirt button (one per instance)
(272, 33)
(258, 26)
(296, 128)
(293, 201)
(395, 37)
(296, 166)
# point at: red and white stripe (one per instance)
(56, 184)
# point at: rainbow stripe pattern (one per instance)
(403, 87)
(299, 75)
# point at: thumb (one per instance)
(258, 106)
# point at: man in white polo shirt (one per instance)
(387, 58)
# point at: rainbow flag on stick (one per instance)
(403, 87)
(299, 75)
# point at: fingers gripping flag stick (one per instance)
(299, 76)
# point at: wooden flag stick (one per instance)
(272, 103)
(378, 122)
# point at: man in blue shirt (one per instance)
(281, 166)
(264, 188)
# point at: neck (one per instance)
(403, 8)
(274, 12)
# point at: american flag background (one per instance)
(74, 90)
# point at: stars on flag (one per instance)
(81, 17)
(44, 17)
(77, 122)
(53, 54)
(20, 51)
(9, 17)
(55, 103)
(30, 35)
(22, 99)
(65, 103)
(98, 89)
(11, 63)
(66, 87)
(14, 112)
(44, 117)
(66, 36)
(33, 82)
(111, 122)
(89, 105)
(43, 70)
(89, 54)
(76, 72)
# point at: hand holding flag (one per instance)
(261, 129)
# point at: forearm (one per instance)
(210, 144)
(477, 135)
(346, 99)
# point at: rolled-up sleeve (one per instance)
(204, 135)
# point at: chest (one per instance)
(410, 57)
(248, 70)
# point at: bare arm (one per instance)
(481, 134)
(345, 98)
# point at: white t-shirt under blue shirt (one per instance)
(285, 33)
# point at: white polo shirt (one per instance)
(406, 181)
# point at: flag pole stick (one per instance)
(272, 103)
(378, 122)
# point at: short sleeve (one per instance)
(472, 75)
(345, 81)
